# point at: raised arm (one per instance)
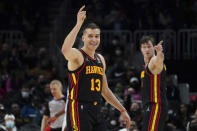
(71, 53)
(110, 98)
(156, 63)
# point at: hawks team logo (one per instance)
(94, 70)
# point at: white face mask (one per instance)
(25, 94)
(9, 124)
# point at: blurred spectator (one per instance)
(131, 72)
(9, 123)
(15, 110)
(173, 93)
(117, 72)
(192, 125)
(135, 113)
(2, 113)
(182, 118)
(23, 95)
(32, 111)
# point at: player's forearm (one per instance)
(70, 39)
(160, 55)
(159, 58)
(110, 98)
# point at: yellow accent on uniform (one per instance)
(164, 66)
(154, 118)
(74, 78)
(95, 103)
(73, 104)
(142, 74)
(94, 70)
(72, 93)
(155, 88)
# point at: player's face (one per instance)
(91, 38)
(55, 90)
(147, 49)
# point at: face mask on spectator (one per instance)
(25, 94)
(9, 124)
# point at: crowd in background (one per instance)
(26, 70)
(143, 14)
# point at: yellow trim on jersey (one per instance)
(142, 74)
(155, 88)
(73, 103)
(72, 93)
(154, 118)
(72, 90)
(74, 78)
(73, 115)
(164, 66)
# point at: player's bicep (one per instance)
(72, 54)
(155, 65)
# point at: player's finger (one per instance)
(81, 8)
(128, 124)
(83, 12)
(160, 43)
(156, 47)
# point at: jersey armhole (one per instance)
(100, 59)
(147, 70)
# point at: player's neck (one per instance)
(146, 60)
(88, 52)
(58, 96)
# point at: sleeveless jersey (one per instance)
(153, 86)
(85, 83)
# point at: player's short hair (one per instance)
(56, 82)
(91, 26)
(146, 39)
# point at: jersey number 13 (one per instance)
(95, 84)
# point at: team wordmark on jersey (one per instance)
(94, 70)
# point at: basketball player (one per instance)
(55, 109)
(153, 85)
(87, 79)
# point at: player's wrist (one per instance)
(79, 24)
(123, 110)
